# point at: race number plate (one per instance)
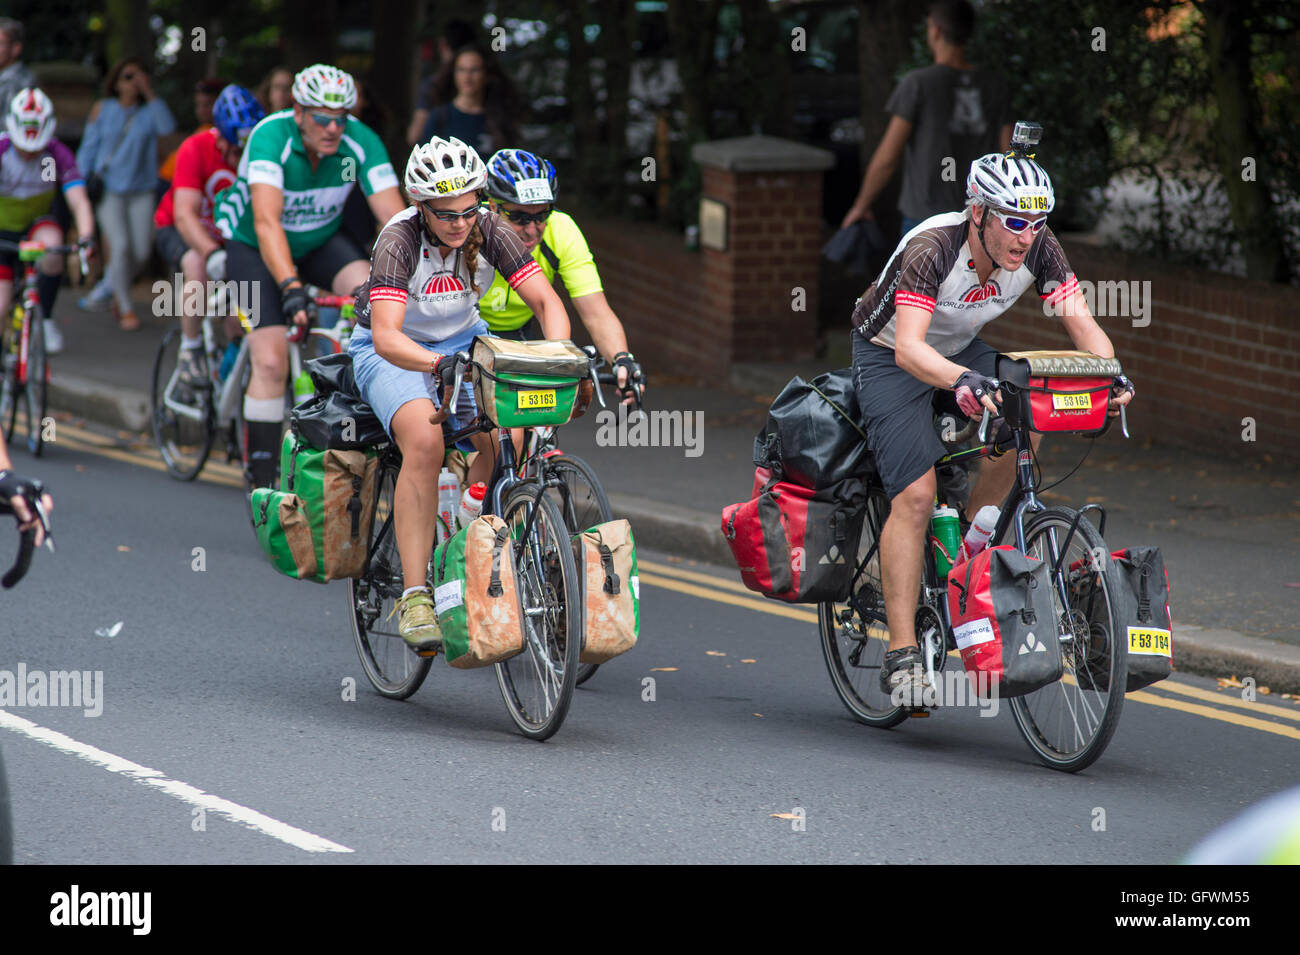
(534, 400)
(1081, 402)
(1149, 642)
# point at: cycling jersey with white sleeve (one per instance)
(933, 268)
(438, 294)
(26, 186)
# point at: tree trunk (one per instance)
(390, 72)
(128, 31)
(693, 25)
(884, 34)
(618, 30)
(1236, 122)
(764, 72)
(309, 29)
(578, 92)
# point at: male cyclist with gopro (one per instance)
(522, 188)
(416, 311)
(284, 214)
(33, 163)
(915, 332)
(186, 237)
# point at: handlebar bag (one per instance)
(476, 594)
(284, 533)
(1142, 618)
(611, 591)
(523, 384)
(812, 435)
(1000, 606)
(1053, 391)
(795, 543)
(337, 489)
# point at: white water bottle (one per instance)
(448, 491)
(981, 529)
(471, 502)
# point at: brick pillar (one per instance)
(772, 189)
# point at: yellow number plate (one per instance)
(1033, 203)
(1150, 642)
(1081, 402)
(533, 400)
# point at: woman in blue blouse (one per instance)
(121, 145)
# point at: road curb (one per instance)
(99, 402)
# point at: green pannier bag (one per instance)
(611, 591)
(280, 521)
(337, 489)
(477, 595)
(526, 384)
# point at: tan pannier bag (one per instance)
(477, 595)
(611, 591)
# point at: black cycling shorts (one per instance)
(529, 331)
(244, 264)
(171, 247)
(898, 410)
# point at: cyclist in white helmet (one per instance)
(281, 220)
(418, 308)
(915, 332)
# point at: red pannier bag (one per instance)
(1000, 606)
(1053, 391)
(794, 543)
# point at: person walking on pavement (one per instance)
(14, 74)
(942, 118)
(121, 146)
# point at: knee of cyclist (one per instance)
(915, 502)
(270, 367)
(424, 452)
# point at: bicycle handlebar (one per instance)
(31, 493)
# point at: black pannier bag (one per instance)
(813, 436)
(336, 417)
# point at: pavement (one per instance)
(1229, 529)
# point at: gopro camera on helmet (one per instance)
(1024, 136)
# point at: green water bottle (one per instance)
(945, 531)
(302, 387)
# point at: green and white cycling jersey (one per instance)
(503, 309)
(313, 199)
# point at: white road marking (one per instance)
(298, 838)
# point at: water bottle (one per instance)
(471, 502)
(945, 527)
(448, 492)
(977, 538)
(228, 359)
(302, 387)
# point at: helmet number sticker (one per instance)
(1032, 203)
(534, 190)
(450, 184)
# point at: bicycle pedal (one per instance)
(918, 712)
(428, 652)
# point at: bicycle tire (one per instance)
(853, 631)
(9, 386)
(537, 683)
(6, 820)
(581, 509)
(36, 386)
(1069, 723)
(391, 666)
(183, 458)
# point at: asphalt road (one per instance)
(227, 735)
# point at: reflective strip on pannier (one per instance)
(612, 591)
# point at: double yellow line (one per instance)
(721, 590)
(79, 439)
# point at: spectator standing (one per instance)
(455, 35)
(14, 74)
(121, 146)
(946, 111)
(275, 92)
(474, 101)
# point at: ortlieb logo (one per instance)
(1031, 645)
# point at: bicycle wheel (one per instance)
(583, 504)
(1069, 723)
(183, 431)
(537, 683)
(34, 389)
(9, 385)
(391, 666)
(853, 634)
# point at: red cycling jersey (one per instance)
(199, 165)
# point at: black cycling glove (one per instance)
(293, 301)
(635, 377)
(1121, 385)
(12, 485)
(970, 388)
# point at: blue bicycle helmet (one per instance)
(514, 175)
(235, 113)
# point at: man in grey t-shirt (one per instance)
(942, 118)
(14, 75)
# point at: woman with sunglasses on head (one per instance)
(418, 308)
(121, 146)
(282, 218)
(915, 333)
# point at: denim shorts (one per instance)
(385, 387)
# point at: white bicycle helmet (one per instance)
(1010, 183)
(443, 168)
(324, 86)
(30, 122)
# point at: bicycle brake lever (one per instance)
(45, 522)
(1123, 420)
(984, 427)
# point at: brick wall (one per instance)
(1217, 350)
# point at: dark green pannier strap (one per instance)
(843, 414)
(266, 503)
(607, 565)
(498, 543)
(1144, 598)
(354, 506)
